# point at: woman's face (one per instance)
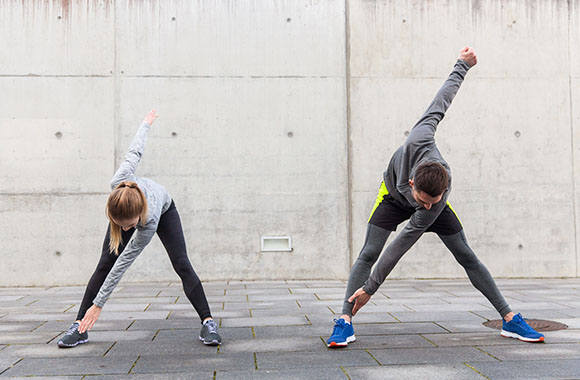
(126, 225)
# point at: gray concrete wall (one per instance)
(278, 118)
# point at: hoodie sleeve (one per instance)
(126, 171)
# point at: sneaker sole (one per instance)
(212, 343)
(509, 334)
(350, 339)
(63, 345)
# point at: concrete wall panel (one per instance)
(224, 38)
(51, 239)
(239, 170)
(58, 134)
(517, 38)
(57, 37)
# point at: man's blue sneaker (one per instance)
(342, 335)
(518, 328)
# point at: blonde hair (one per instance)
(126, 202)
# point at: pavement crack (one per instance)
(487, 353)
(39, 326)
(480, 316)
(170, 311)
(177, 299)
(130, 324)
(134, 364)
(446, 329)
(255, 361)
(253, 333)
(109, 349)
(476, 371)
(428, 340)
(305, 316)
(332, 311)
(158, 293)
(68, 308)
(397, 319)
(28, 304)
(214, 375)
(146, 307)
(155, 336)
(298, 303)
(368, 352)
(344, 371)
(53, 338)
(18, 361)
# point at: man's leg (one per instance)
(450, 231)
(375, 240)
(476, 271)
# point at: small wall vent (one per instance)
(276, 243)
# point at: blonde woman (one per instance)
(137, 209)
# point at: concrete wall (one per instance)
(278, 118)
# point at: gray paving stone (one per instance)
(117, 325)
(459, 326)
(324, 311)
(572, 323)
(364, 342)
(265, 321)
(51, 350)
(7, 298)
(286, 297)
(575, 313)
(123, 315)
(454, 371)
(6, 361)
(192, 314)
(430, 355)
(193, 363)
(397, 328)
(118, 336)
(437, 316)
(130, 307)
(281, 344)
(18, 326)
(289, 331)
(197, 375)
(293, 374)
(454, 307)
(319, 290)
(538, 351)
(190, 335)
(260, 305)
(164, 324)
(307, 359)
(470, 339)
(539, 369)
(187, 346)
(145, 300)
(533, 314)
(373, 318)
(72, 366)
(27, 337)
(47, 378)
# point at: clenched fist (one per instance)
(467, 54)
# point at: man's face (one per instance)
(424, 199)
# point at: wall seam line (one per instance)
(348, 135)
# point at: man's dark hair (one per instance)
(431, 178)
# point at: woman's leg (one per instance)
(104, 266)
(171, 234)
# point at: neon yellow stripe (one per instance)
(449, 204)
(382, 192)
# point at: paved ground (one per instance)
(276, 330)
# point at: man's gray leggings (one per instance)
(375, 240)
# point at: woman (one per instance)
(137, 208)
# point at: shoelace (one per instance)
(71, 330)
(211, 326)
(338, 328)
(522, 322)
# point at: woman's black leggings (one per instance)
(171, 234)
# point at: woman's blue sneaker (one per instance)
(342, 335)
(518, 328)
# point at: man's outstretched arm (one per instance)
(425, 128)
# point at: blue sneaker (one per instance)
(518, 328)
(342, 335)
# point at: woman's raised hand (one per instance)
(151, 116)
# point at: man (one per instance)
(416, 186)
